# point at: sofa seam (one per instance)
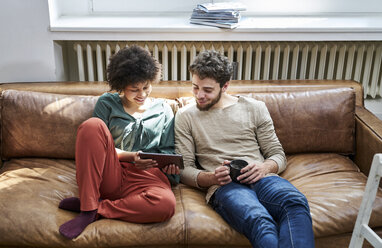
(1, 127)
(185, 233)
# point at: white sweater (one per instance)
(240, 131)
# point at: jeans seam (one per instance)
(217, 205)
(287, 216)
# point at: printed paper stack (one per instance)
(223, 15)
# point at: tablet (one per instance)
(164, 159)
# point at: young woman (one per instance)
(113, 181)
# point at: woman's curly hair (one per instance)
(211, 64)
(132, 65)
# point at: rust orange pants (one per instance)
(126, 193)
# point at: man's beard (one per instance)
(208, 106)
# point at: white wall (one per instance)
(268, 7)
(26, 45)
(28, 51)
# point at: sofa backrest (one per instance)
(35, 124)
(177, 89)
(313, 121)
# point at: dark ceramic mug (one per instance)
(234, 168)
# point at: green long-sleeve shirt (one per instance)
(152, 132)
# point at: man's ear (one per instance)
(225, 86)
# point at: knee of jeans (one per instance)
(296, 199)
(260, 225)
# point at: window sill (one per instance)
(319, 27)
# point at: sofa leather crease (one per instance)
(327, 134)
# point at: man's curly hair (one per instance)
(132, 65)
(211, 64)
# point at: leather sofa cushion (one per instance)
(177, 89)
(35, 124)
(313, 121)
(31, 189)
(310, 121)
(334, 187)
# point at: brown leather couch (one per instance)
(328, 135)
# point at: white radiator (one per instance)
(359, 61)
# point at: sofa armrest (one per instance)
(368, 138)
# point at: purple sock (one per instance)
(74, 227)
(71, 204)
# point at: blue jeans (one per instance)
(270, 213)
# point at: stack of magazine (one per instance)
(222, 15)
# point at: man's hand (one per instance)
(218, 177)
(255, 171)
(222, 174)
(171, 169)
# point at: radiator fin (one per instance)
(359, 61)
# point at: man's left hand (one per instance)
(171, 169)
(255, 171)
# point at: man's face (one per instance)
(207, 92)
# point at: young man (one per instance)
(218, 128)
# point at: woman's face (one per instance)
(136, 94)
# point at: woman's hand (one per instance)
(143, 164)
(171, 169)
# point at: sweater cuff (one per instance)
(189, 176)
(280, 161)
